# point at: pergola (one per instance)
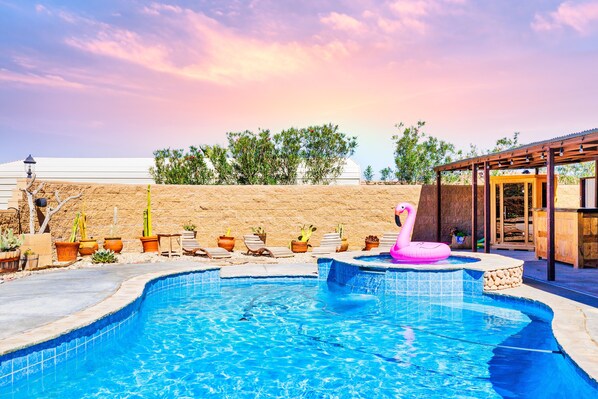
(573, 148)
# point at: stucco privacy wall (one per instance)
(281, 210)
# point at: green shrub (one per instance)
(103, 256)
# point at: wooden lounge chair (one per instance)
(387, 241)
(255, 246)
(192, 247)
(330, 243)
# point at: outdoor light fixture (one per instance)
(561, 152)
(29, 166)
(542, 156)
(499, 165)
(581, 148)
(511, 161)
(527, 158)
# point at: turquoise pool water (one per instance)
(386, 258)
(310, 339)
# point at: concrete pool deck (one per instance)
(43, 306)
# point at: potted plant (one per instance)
(300, 244)
(459, 237)
(340, 229)
(66, 251)
(87, 246)
(371, 242)
(227, 241)
(9, 250)
(30, 260)
(260, 232)
(113, 243)
(148, 240)
(190, 227)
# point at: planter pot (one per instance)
(227, 243)
(371, 244)
(114, 244)
(299, 246)
(150, 244)
(87, 247)
(66, 251)
(9, 261)
(460, 239)
(30, 262)
(189, 232)
(41, 244)
(261, 236)
(344, 245)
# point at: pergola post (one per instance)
(474, 208)
(486, 207)
(438, 207)
(596, 183)
(550, 191)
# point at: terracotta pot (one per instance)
(371, 244)
(192, 231)
(66, 251)
(87, 247)
(9, 261)
(299, 246)
(227, 243)
(150, 244)
(262, 237)
(344, 245)
(114, 244)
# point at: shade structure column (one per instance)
(474, 208)
(486, 207)
(438, 207)
(550, 191)
(596, 183)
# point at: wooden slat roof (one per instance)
(572, 148)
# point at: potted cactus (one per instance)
(87, 246)
(227, 241)
(112, 242)
(300, 244)
(340, 229)
(66, 251)
(148, 240)
(189, 226)
(260, 232)
(9, 250)
(30, 260)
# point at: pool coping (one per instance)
(575, 325)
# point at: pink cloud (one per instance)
(581, 17)
(48, 80)
(342, 22)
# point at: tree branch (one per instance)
(52, 211)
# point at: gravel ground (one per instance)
(238, 258)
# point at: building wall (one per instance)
(281, 210)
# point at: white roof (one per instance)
(108, 170)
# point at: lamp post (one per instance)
(29, 166)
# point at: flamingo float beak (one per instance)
(398, 220)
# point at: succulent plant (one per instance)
(103, 256)
(306, 232)
(10, 241)
(340, 229)
(372, 239)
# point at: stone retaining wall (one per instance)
(502, 279)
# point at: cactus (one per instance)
(83, 225)
(306, 233)
(103, 256)
(10, 241)
(340, 229)
(75, 228)
(147, 215)
(227, 234)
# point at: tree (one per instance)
(368, 173)
(386, 174)
(174, 166)
(222, 169)
(288, 155)
(253, 157)
(416, 157)
(324, 152)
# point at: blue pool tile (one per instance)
(5, 367)
(19, 363)
(5, 380)
(34, 368)
(435, 288)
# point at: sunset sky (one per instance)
(125, 77)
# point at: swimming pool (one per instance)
(314, 339)
(387, 259)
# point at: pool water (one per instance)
(315, 340)
(386, 258)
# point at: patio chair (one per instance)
(191, 247)
(255, 246)
(330, 243)
(387, 241)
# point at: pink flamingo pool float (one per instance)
(407, 251)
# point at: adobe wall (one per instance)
(281, 210)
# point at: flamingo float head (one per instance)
(398, 210)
